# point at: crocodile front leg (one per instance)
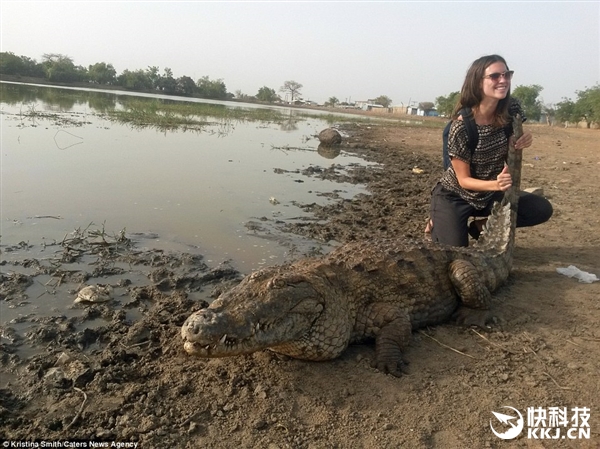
(392, 328)
(475, 297)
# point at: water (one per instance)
(67, 166)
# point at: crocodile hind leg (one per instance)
(392, 328)
(475, 297)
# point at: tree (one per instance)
(528, 96)
(60, 68)
(333, 101)
(185, 86)
(383, 100)
(445, 105)
(266, 94)
(211, 89)
(138, 80)
(10, 64)
(102, 73)
(293, 88)
(152, 72)
(587, 106)
(550, 112)
(32, 68)
(565, 111)
(167, 83)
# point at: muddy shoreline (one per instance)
(116, 370)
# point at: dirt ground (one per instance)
(129, 380)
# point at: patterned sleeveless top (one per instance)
(487, 160)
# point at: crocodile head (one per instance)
(279, 308)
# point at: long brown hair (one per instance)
(471, 93)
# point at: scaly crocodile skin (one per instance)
(383, 290)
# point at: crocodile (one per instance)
(313, 308)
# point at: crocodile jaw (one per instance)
(266, 310)
(213, 334)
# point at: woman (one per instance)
(474, 181)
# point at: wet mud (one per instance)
(112, 367)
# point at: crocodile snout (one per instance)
(196, 324)
(208, 327)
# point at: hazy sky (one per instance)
(409, 51)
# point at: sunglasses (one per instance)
(496, 76)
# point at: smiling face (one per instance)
(499, 88)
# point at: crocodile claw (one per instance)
(465, 316)
(394, 367)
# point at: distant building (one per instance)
(368, 105)
(428, 113)
(413, 110)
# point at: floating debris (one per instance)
(95, 293)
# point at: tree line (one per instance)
(58, 68)
(586, 107)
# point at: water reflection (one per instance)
(290, 123)
(56, 99)
(328, 151)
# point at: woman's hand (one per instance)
(504, 179)
(524, 141)
(463, 174)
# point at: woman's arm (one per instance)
(502, 182)
(463, 174)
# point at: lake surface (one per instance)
(65, 164)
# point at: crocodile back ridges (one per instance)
(413, 276)
(414, 270)
(410, 277)
(498, 237)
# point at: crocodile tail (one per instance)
(496, 235)
(499, 232)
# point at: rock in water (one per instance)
(330, 137)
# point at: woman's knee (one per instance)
(546, 210)
(533, 210)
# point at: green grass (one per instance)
(174, 115)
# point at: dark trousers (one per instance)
(450, 214)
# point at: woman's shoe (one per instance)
(474, 232)
(476, 227)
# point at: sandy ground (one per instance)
(130, 380)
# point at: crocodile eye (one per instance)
(276, 283)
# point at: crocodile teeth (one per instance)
(223, 339)
(207, 347)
